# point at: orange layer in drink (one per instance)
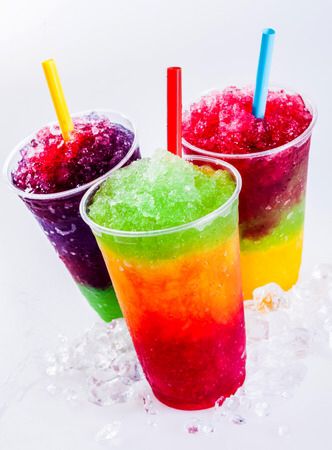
(185, 315)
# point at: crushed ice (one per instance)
(109, 432)
(283, 329)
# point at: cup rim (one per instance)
(299, 139)
(198, 222)
(76, 190)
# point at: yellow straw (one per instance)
(58, 98)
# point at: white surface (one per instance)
(114, 54)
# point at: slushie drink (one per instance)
(271, 155)
(168, 230)
(51, 176)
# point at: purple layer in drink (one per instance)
(52, 175)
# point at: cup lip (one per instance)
(198, 222)
(299, 139)
(76, 190)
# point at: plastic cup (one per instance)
(58, 215)
(180, 291)
(271, 210)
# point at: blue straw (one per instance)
(263, 73)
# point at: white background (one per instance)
(114, 54)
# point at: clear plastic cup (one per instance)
(180, 291)
(58, 215)
(271, 209)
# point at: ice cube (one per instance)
(231, 404)
(109, 392)
(269, 297)
(261, 408)
(207, 428)
(257, 327)
(109, 432)
(149, 405)
(279, 323)
(278, 343)
(193, 426)
(127, 366)
(298, 342)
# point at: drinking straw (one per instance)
(58, 98)
(263, 73)
(174, 110)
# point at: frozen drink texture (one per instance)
(273, 170)
(173, 254)
(53, 171)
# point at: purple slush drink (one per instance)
(51, 176)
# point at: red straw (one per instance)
(174, 110)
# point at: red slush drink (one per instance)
(271, 155)
(168, 231)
